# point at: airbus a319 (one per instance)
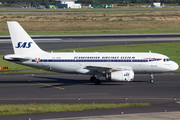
(115, 66)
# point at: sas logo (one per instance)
(126, 74)
(24, 45)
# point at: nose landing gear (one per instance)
(151, 78)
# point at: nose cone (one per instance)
(175, 66)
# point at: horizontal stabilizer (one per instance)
(14, 57)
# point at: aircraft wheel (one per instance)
(151, 81)
(151, 78)
(92, 79)
(97, 82)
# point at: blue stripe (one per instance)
(73, 60)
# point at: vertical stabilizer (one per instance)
(21, 41)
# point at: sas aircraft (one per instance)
(115, 66)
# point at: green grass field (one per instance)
(169, 49)
(49, 108)
(87, 32)
(94, 23)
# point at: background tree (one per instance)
(45, 2)
(32, 3)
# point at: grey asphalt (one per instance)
(142, 116)
(67, 88)
(49, 43)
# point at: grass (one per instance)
(93, 32)
(49, 108)
(142, 31)
(94, 23)
(170, 49)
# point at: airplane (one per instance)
(114, 66)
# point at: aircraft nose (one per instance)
(175, 66)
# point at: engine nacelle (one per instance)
(120, 76)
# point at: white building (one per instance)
(68, 4)
(156, 4)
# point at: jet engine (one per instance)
(120, 76)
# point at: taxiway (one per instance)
(65, 88)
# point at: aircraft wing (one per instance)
(104, 69)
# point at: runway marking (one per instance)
(48, 85)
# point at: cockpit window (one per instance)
(166, 59)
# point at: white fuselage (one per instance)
(77, 62)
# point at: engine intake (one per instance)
(120, 76)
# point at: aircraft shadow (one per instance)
(60, 82)
(68, 82)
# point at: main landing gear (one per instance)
(151, 78)
(94, 80)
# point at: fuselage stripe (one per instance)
(96, 60)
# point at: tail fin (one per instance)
(21, 41)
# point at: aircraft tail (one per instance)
(21, 41)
